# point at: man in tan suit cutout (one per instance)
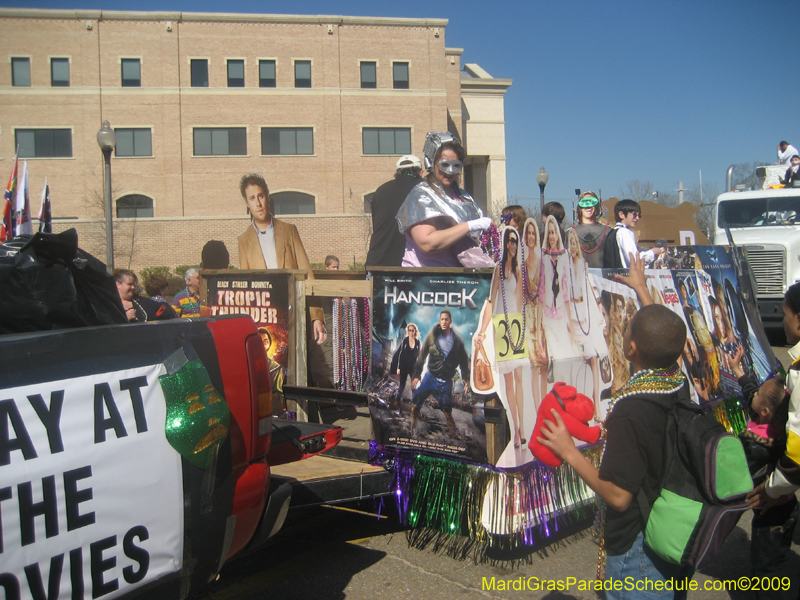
(272, 244)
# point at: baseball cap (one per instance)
(408, 160)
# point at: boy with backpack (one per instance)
(621, 242)
(632, 459)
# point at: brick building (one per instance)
(321, 105)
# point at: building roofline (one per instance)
(482, 80)
(118, 15)
(486, 83)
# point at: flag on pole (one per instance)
(24, 204)
(8, 227)
(45, 217)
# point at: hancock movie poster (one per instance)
(265, 297)
(422, 331)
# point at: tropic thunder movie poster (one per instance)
(266, 299)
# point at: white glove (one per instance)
(481, 224)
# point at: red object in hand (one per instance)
(576, 411)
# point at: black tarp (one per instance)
(47, 282)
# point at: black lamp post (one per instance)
(541, 179)
(107, 140)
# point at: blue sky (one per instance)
(605, 92)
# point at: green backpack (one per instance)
(703, 492)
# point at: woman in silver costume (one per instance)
(440, 220)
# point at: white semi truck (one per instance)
(766, 222)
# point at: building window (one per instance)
(44, 143)
(21, 72)
(266, 73)
(133, 142)
(386, 140)
(131, 72)
(235, 73)
(369, 75)
(135, 206)
(220, 141)
(302, 73)
(368, 203)
(59, 72)
(287, 140)
(400, 75)
(293, 203)
(199, 68)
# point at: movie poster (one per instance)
(727, 320)
(618, 303)
(419, 390)
(663, 289)
(705, 291)
(265, 297)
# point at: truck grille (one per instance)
(769, 268)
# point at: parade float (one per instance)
(463, 454)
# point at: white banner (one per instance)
(91, 494)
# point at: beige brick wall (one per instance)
(197, 198)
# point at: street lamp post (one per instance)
(107, 140)
(541, 179)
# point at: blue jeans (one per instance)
(643, 565)
(441, 390)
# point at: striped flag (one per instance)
(8, 227)
(24, 224)
(45, 216)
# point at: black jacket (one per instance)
(439, 366)
(387, 245)
(405, 357)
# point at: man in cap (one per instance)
(387, 243)
(591, 232)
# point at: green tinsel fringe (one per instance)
(731, 412)
(449, 497)
(466, 509)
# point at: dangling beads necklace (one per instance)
(336, 342)
(350, 359)
(585, 297)
(138, 310)
(526, 290)
(516, 347)
(366, 340)
(490, 243)
(193, 304)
